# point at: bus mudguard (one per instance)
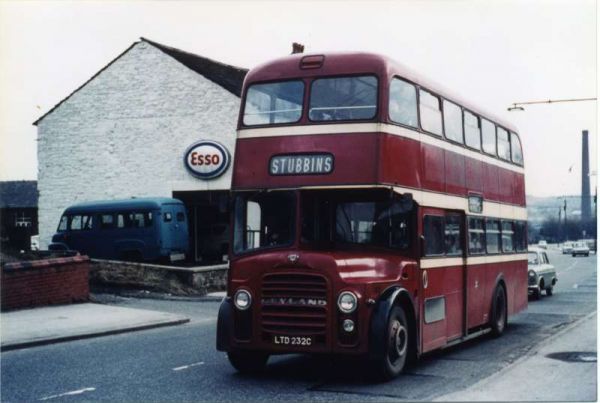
(225, 325)
(381, 314)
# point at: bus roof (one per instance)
(358, 62)
(123, 204)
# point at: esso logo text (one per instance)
(207, 159)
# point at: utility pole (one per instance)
(565, 209)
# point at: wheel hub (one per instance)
(399, 339)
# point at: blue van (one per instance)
(144, 229)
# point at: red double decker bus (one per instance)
(375, 214)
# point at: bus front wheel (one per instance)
(398, 345)
(248, 361)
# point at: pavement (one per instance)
(47, 325)
(548, 373)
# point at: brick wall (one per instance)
(125, 133)
(45, 282)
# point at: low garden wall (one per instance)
(42, 282)
(184, 281)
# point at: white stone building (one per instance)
(125, 131)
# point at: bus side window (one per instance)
(180, 216)
(431, 112)
(472, 131)
(433, 230)
(520, 236)
(508, 236)
(107, 221)
(492, 236)
(453, 122)
(476, 236)
(75, 224)
(503, 144)
(123, 220)
(452, 235)
(403, 103)
(488, 136)
(515, 147)
(62, 225)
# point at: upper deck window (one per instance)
(472, 131)
(274, 103)
(453, 122)
(488, 136)
(431, 112)
(403, 103)
(503, 144)
(343, 98)
(515, 148)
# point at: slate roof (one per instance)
(22, 194)
(227, 76)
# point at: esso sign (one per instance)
(207, 159)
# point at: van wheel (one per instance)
(248, 362)
(499, 316)
(398, 346)
(549, 291)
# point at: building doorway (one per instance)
(208, 216)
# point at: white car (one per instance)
(543, 244)
(580, 248)
(567, 248)
(542, 275)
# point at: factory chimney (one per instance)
(586, 206)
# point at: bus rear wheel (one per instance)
(248, 362)
(499, 314)
(398, 346)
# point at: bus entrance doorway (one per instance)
(208, 216)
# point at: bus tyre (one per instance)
(499, 316)
(398, 344)
(248, 362)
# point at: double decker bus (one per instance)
(375, 214)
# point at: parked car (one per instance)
(580, 248)
(542, 275)
(567, 248)
(543, 244)
(144, 229)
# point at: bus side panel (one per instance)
(455, 173)
(476, 283)
(401, 161)
(474, 175)
(506, 180)
(490, 182)
(432, 168)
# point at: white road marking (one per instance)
(188, 366)
(570, 267)
(575, 286)
(71, 393)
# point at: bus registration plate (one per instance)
(292, 341)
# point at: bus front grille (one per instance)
(294, 304)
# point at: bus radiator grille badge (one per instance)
(293, 258)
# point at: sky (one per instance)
(489, 52)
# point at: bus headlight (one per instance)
(347, 302)
(242, 300)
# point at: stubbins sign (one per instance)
(301, 164)
(207, 159)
